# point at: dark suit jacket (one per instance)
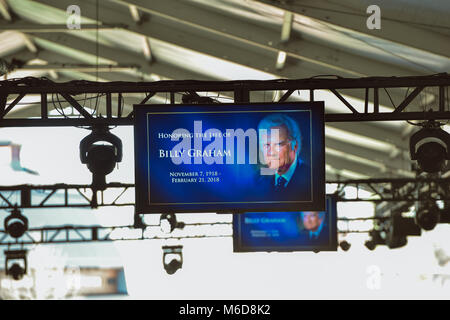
(298, 188)
(323, 238)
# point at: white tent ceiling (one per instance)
(230, 40)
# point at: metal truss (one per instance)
(395, 190)
(65, 196)
(241, 92)
(395, 196)
(122, 194)
(79, 234)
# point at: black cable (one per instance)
(390, 97)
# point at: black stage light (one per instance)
(370, 244)
(16, 263)
(16, 224)
(375, 239)
(168, 222)
(427, 215)
(394, 242)
(430, 146)
(100, 159)
(175, 255)
(344, 245)
(398, 228)
(403, 226)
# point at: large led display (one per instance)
(229, 157)
(286, 231)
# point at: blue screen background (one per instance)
(289, 235)
(238, 183)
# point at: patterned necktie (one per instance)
(280, 183)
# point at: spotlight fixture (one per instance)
(168, 222)
(175, 255)
(430, 146)
(344, 245)
(394, 242)
(100, 159)
(16, 224)
(398, 228)
(375, 239)
(427, 215)
(16, 263)
(370, 244)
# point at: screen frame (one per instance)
(142, 200)
(239, 247)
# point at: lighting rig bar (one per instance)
(241, 93)
(394, 190)
(78, 234)
(65, 196)
(122, 194)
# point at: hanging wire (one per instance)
(390, 98)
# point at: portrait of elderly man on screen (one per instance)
(280, 143)
(315, 226)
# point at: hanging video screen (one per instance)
(286, 231)
(229, 157)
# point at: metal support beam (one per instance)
(135, 14)
(147, 49)
(29, 43)
(118, 194)
(11, 105)
(119, 56)
(177, 23)
(51, 28)
(406, 102)
(76, 105)
(351, 14)
(287, 26)
(4, 10)
(241, 89)
(79, 67)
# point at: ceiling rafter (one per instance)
(105, 52)
(263, 37)
(351, 14)
(188, 34)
